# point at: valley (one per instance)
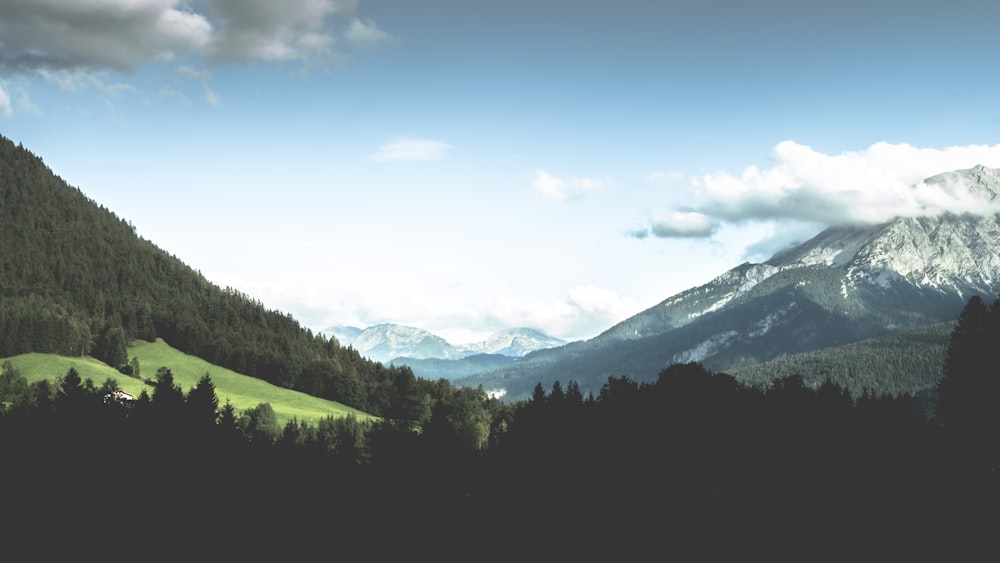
(845, 367)
(499, 281)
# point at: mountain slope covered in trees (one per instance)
(77, 280)
(846, 284)
(905, 362)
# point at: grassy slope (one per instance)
(242, 391)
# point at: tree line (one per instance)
(694, 460)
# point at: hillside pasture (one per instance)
(244, 392)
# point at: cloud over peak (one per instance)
(871, 185)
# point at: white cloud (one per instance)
(280, 31)
(194, 73)
(682, 224)
(5, 105)
(561, 190)
(582, 313)
(871, 185)
(585, 311)
(599, 307)
(202, 76)
(365, 32)
(25, 104)
(96, 35)
(183, 28)
(661, 177)
(403, 149)
(211, 98)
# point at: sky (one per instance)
(470, 166)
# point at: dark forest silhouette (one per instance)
(695, 461)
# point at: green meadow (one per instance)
(244, 392)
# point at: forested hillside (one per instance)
(907, 362)
(75, 279)
(695, 465)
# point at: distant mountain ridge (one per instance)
(515, 342)
(343, 333)
(399, 344)
(844, 285)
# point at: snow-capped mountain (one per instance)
(515, 342)
(386, 342)
(845, 284)
(392, 343)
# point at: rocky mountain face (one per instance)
(515, 342)
(846, 284)
(398, 344)
(386, 342)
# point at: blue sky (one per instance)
(470, 166)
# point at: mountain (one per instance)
(516, 342)
(846, 284)
(909, 361)
(386, 342)
(436, 368)
(344, 334)
(399, 345)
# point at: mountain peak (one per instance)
(389, 342)
(845, 284)
(516, 342)
(980, 180)
(385, 342)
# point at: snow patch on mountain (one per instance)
(732, 284)
(765, 325)
(703, 350)
(515, 342)
(834, 247)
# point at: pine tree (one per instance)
(202, 404)
(168, 399)
(968, 403)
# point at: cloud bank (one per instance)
(583, 312)
(95, 35)
(872, 185)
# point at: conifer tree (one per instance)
(202, 404)
(968, 403)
